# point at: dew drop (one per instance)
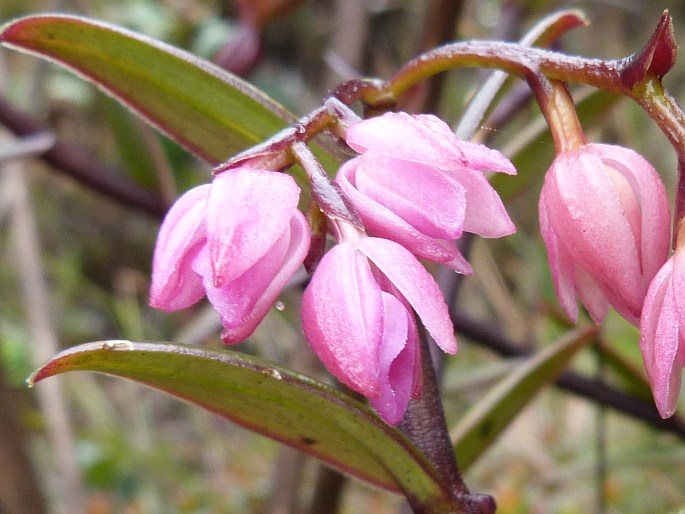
(280, 306)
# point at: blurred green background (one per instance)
(104, 445)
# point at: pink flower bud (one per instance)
(357, 316)
(418, 184)
(662, 333)
(604, 218)
(237, 241)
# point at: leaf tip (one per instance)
(658, 55)
(38, 375)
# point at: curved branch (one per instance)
(81, 166)
(599, 392)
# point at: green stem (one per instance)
(669, 116)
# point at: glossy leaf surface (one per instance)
(273, 401)
(209, 111)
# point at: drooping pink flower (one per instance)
(662, 333)
(357, 316)
(418, 184)
(237, 241)
(604, 218)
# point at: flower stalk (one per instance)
(425, 425)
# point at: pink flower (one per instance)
(237, 241)
(604, 218)
(662, 333)
(418, 184)
(357, 316)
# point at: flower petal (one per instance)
(560, 263)
(421, 195)
(418, 286)
(485, 213)
(342, 313)
(592, 296)
(244, 302)
(659, 341)
(183, 232)
(382, 222)
(423, 139)
(396, 371)
(482, 158)
(653, 204)
(247, 213)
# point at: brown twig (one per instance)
(598, 391)
(83, 167)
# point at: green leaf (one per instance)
(271, 400)
(206, 109)
(488, 418)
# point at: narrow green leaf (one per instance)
(271, 400)
(488, 418)
(206, 109)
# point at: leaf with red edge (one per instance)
(271, 400)
(207, 110)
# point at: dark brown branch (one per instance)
(599, 392)
(83, 167)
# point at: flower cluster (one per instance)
(416, 188)
(604, 217)
(605, 220)
(237, 241)
(417, 184)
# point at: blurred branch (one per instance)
(286, 481)
(597, 391)
(19, 490)
(42, 332)
(83, 167)
(439, 27)
(328, 490)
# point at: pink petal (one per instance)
(174, 285)
(424, 139)
(396, 362)
(592, 296)
(342, 313)
(678, 262)
(485, 212)
(423, 196)
(416, 285)
(654, 207)
(659, 341)
(382, 222)
(244, 302)
(586, 213)
(482, 158)
(651, 311)
(247, 213)
(560, 263)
